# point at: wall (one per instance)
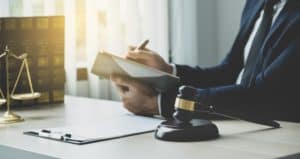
(207, 32)
(228, 19)
(202, 31)
(193, 33)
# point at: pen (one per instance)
(142, 46)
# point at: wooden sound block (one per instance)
(26, 96)
(195, 130)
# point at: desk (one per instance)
(238, 139)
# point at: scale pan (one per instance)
(2, 101)
(26, 96)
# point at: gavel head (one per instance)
(185, 104)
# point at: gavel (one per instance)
(184, 127)
(187, 102)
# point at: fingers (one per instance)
(122, 89)
(140, 55)
(125, 81)
(121, 80)
(128, 86)
(140, 105)
(132, 48)
(132, 106)
(123, 84)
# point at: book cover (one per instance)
(107, 64)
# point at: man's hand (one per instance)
(149, 58)
(136, 97)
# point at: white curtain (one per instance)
(112, 25)
(193, 32)
(94, 25)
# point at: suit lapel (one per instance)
(249, 24)
(281, 19)
(279, 25)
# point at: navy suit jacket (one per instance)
(275, 91)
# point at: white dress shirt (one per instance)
(277, 10)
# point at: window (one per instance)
(94, 25)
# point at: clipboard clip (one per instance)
(60, 136)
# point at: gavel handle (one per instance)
(185, 102)
(248, 118)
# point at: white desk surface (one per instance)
(238, 139)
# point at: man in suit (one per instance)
(259, 76)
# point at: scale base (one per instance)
(2, 101)
(10, 117)
(195, 130)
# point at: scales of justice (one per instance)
(9, 116)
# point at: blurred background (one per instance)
(194, 32)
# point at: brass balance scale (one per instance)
(9, 116)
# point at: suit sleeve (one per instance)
(274, 90)
(223, 74)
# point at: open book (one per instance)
(107, 64)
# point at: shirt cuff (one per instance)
(159, 103)
(174, 71)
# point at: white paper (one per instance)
(111, 127)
